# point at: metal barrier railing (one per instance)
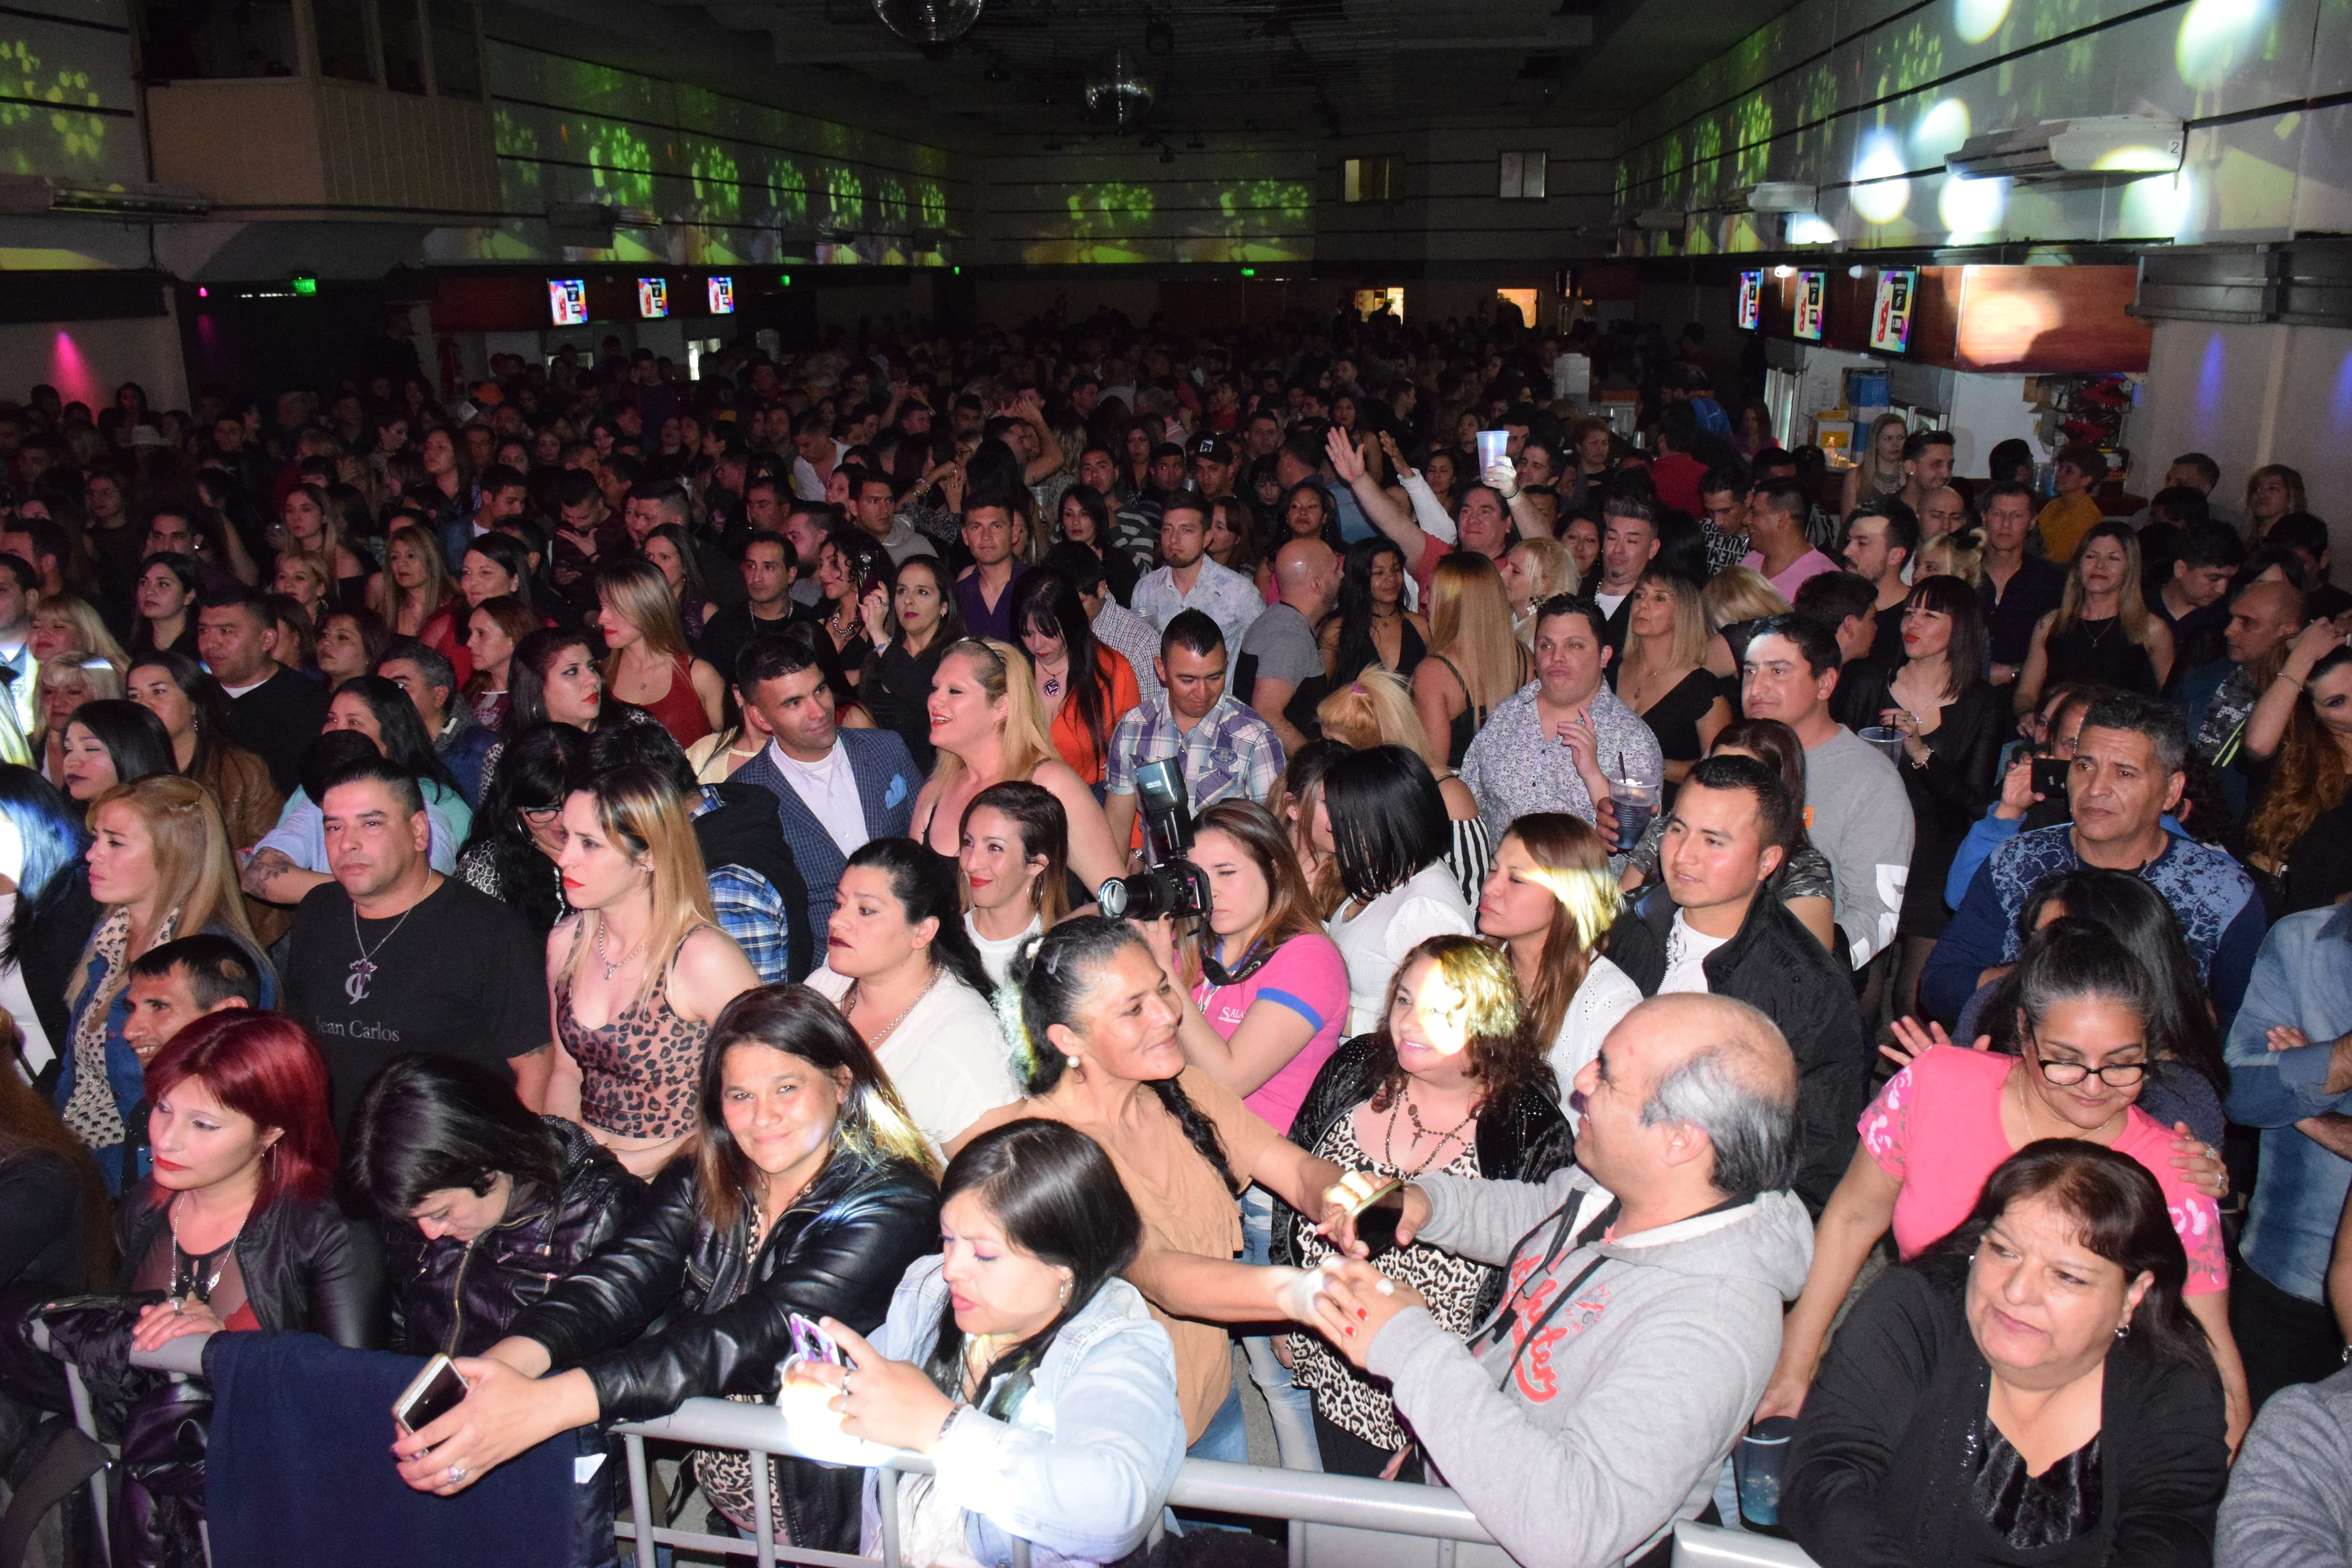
(1435, 1514)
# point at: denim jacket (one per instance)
(2302, 978)
(1087, 1460)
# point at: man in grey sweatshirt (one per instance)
(1642, 1310)
(2290, 1498)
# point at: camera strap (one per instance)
(1252, 961)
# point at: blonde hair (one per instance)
(99, 679)
(432, 595)
(1025, 747)
(635, 589)
(1740, 594)
(195, 869)
(1375, 710)
(1572, 865)
(1962, 557)
(1866, 481)
(644, 817)
(2131, 607)
(1686, 645)
(1470, 624)
(90, 628)
(322, 571)
(1549, 567)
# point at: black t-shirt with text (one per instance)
(457, 976)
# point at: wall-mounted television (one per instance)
(567, 300)
(1812, 305)
(1751, 301)
(722, 296)
(653, 298)
(1890, 319)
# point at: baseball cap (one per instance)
(1215, 449)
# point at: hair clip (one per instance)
(1054, 962)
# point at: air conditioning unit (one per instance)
(1775, 196)
(39, 194)
(2117, 146)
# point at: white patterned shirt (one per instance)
(1223, 594)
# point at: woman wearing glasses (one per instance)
(1945, 1122)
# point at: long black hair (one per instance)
(527, 675)
(133, 737)
(1046, 603)
(1060, 1200)
(510, 555)
(925, 886)
(539, 768)
(1048, 983)
(49, 827)
(2180, 1024)
(208, 704)
(2123, 1218)
(1388, 820)
(1357, 649)
(404, 740)
(429, 1123)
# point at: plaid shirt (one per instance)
(1121, 629)
(750, 910)
(1230, 754)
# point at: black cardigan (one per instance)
(1524, 1138)
(308, 1266)
(1878, 1476)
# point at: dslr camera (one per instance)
(1170, 884)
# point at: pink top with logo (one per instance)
(1306, 975)
(1936, 1128)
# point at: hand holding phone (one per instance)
(432, 1394)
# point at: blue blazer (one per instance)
(887, 783)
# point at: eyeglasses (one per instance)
(540, 816)
(2066, 1075)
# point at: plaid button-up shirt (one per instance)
(1232, 753)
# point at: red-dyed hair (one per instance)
(267, 1067)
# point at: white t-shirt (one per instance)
(829, 789)
(1427, 904)
(996, 957)
(1607, 995)
(946, 1058)
(1686, 950)
(1609, 601)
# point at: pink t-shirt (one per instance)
(1306, 975)
(1793, 577)
(1936, 1128)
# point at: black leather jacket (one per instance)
(1522, 1138)
(458, 1297)
(674, 1308)
(719, 1317)
(308, 1266)
(1775, 966)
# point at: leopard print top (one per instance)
(640, 1073)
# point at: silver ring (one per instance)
(457, 1473)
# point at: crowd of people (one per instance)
(986, 843)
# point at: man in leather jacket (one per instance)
(1715, 926)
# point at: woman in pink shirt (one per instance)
(1266, 1015)
(1943, 1123)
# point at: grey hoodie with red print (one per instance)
(1579, 1449)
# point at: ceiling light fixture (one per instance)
(929, 21)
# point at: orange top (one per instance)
(1069, 733)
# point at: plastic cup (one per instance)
(1493, 446)
(1889, 741)
(1756, 1463)
(1636, 801)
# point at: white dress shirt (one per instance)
(829, 789)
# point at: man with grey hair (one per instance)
(430, 680)
(1640, 1317)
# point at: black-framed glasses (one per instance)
(540, 815)
(2066, 1075)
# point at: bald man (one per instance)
(2263, 619)
(1595, 1406)
(1280, 645)
(1944, 511)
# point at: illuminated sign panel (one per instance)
(567, 300)
(722, 296)
(1813, 303)
(1751, 301)
(1890, 319)
(653, 298)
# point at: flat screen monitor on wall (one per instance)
(653, 298)
(567, 300)
(1890, 318)
(722, 296)
(1812, 305)
(1751, 301)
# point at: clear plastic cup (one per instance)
(1756, 1463)
(1637, 802)
(1889, 741)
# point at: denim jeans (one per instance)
(1293, 1409)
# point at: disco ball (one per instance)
(929, 21)
(1118, 89)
